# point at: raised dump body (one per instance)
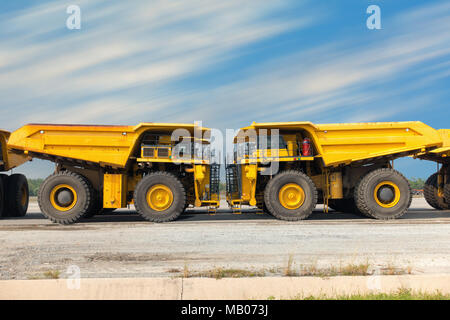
(345, 166)
(160, 168)
(14, 191)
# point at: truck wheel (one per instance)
(17, 195)
(383, 194)
(96, 206)
(432, 196)
(2, 198)
(65, 197)
(160, 197)
(447, 193)
(345, 206)
(290, 195)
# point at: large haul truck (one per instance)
(348, 167)
(437, 186)
(160, 168)
(14, 193)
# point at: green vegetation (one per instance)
(417, 183)
(34, 185)
(290, 270)
(401, 294)
(50, 274)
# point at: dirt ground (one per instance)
(124, 245)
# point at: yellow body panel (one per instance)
(106, 145)
(349, 142)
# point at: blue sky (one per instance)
(227, 63)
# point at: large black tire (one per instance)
(299, 210)
(96, 207)
(447, 193)
(171, 193)
(63, 206)
(17, 195)
(383, 194)
(345, 206)
(2, 198)
(430, 191)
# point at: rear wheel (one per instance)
(432, 195)
(160, 197)
(291, 196)
(65, 197)
(447, 193)
(383, 194)
(17, 195)
(2, 198)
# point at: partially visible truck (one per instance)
(14, 192)
(161, 168)
(348, 167)
(437, 186)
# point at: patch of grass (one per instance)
(343, 270)
(186, 273)
(49, 274)
(220, 273)
(401, 294)
(354, 269)
(391, 270)
(52, 274)
(289, 271)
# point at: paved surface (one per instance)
(123, 245)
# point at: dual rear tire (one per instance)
(383, 194)
(432, 195)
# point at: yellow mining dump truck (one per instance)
(14, 191)
(160, 168)
(287, 168)
(437, 186)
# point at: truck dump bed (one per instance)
(103, 145)
(9, 160)
(339, 144)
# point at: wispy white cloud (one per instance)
(120, 46)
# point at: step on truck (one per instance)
(160, 168)
(14, 192)
(286, 168)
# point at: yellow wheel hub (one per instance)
(387, 194)
(63, 197)
(291, 196)
(159, 197)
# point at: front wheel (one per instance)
(160, 197)
(291, 196)
(383, 194)
(65, 197)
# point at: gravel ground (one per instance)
(123, 245)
